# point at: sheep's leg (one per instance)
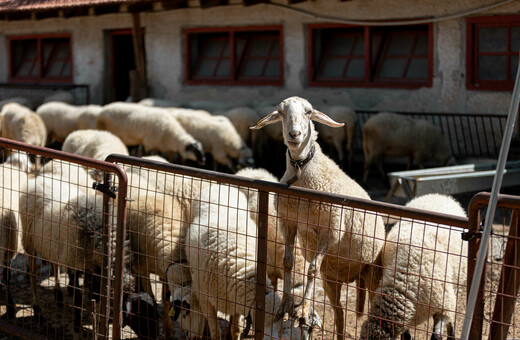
(304, 311)
(366, 169)
(34, 286)
(58, 295)
(333, 291)
(439, 323)
(209, 311)
(286, 306)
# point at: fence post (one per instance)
(261, 258)
(509, 283)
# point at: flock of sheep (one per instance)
(202, 235)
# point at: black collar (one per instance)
(299, 164)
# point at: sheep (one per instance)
(242, 118)
(218, 137)
(152, 127)
(62, 221)
(346, 241)
(22, 124)
(156, 226)
(423, 266)
(87, 118)
(13, 180)
(221, 248)
(59, 223)
(95, 144)
(344, 138)
(60, 119)
(394, 135)
(61, 96)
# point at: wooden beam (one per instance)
(140, 64)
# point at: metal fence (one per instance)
(36, 93)
(61, 243)
(469, 135)
(200, 253)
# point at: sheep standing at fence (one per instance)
(24, 125)
(343, 138)
(95, 144)
(13, 179)
(340, 241)
(221, 248)
(423, 267)
(394, 135)
(218, 137)
(152, 127)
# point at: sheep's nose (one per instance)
(294, 134)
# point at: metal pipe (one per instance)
(490, 214)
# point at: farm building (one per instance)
(108, 238)
(442, 56)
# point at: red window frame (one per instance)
(42, 62)
(373, 62)
(472, 53)
(237, 58)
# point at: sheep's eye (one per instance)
(308, 113)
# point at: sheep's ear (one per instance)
(320, 117)
(271, 118)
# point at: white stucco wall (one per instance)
(165, 64)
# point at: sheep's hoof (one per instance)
(285, 307)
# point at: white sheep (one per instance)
(60, 119)
(24, 125)
(218, 137)
(346, 241)
(61, 96)
(344, 138)
(59, 222)
(95, 144)
(12, 181)
(393, 135)
(221, 248)
(87, 118)
(242, 118)
(423, 267)
(152, 127)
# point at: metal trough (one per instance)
(450, 179)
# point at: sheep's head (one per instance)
(185, 310)
(195, 152)
(245, 157)
(296, 115)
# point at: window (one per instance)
(40, 59)
(370, 56)
(492, 53)
(235, 56)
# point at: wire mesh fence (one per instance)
(163, 251)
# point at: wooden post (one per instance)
(140, 85)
